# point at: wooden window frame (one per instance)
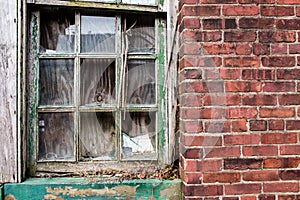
(36, 168)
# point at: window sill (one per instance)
(82, 188)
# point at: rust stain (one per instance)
(74, 192)
(10, 197)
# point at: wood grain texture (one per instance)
(8, 91)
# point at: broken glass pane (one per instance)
(56, 81)
(139, 135)
(97, 81)
(56, 139)
(98, 34)
(140, 82)
(57, 31)
(97, 136)
(140, 2)
(141, 33)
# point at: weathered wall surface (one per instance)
(239, 88)
(8, 90)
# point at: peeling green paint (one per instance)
(79, 188)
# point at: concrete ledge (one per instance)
(80, 188)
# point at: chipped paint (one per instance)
(10, 197)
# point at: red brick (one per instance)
(279, 138)
(239, 126)
(212, 74)
(257, 23)
(203, 190)
(277, 11)
(191, 61)
(294, 48)
(230, 74)
(266, 197)
(288, 74)
(198, 141)
(261, 175)
(258, 99)
(191, 101)
(243, 49)
(289, 99)
(279, 61)
(261, 49)
(248, 197)
(192, 126)
(298, 11)
(281, 187)
(213, 49)
(221, 99)
(218, 1)
(231, 140)
(276, 124)
(258, 125)
(278, 36)
(241, 62)
(201, 10)
(240, 10)
(242, 163)
(201, 36)
(293, 124)
(279, 48)
(239, 36)
(217, 126)
(290, 150)
(276, 112)
(290, 174)
(257, 1)
(288, 197)
(241, 112)
(192, 178)
(288, 24)
(248, 188)
(201, 87)
(192, 23)
(203, 113)
(256, 74)
(203, 165)
(211, 24)
(243, 86)
(221, 177)
(281, 162)
(192, 74)
(222, 152)
(279, 87)
(260, 150)
(191, 49)
(193, 153)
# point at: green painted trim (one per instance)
(80, 188)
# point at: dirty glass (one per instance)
(56, 82)
(57, 31)
(97, 81)
(98, 34)
(56, 139)
(140, 2)
(140, 82)
(141, 33)
(97, 136)
(138, 135)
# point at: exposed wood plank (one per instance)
(8, 91)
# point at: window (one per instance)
(96, 89)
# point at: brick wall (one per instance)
(239, 99)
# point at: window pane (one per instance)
(56, 139)
(140, 82)
(139, 135)
(98, 34)
(140, 2)
(98, 81)
(57, 31)
(141, 33)
(56, 81)
(97, 136)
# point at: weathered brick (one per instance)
(224, 48)
(196, 140)
(200, 36)
(243, 86)
(230, 74)
(211, 24)
(258, 74)
(276, 124)
(221, 177)
(231, 140)
(261, 49)
(239, 36)
(200, 10)
(239, 126)
(260, 150)
(261, 175)
(193, 153)
(241, 112)
(289, 99)
(266, 197)
(290, 174)
(281, 162)
(279, 87)
(203, 190)
(258, 99)
(288, 74)
(201, 87)
(242, 163)
(242, 10)
(190, 23)
(282, 112)
(191, 126)
(258, 125)
(222, 152)
(290, 150)
(281, 187)
(243, 49)
(221, 99)
(279, 61)
(217, 126)
(277, 11)
(240, 62)
(257, 23)
(278, 36)
(202, 113)
(279, 48)
(288, 24)
(192, 178)
(219, 1)
(294, 48)
(278, 138)
(293, 124)
(249, 188)
(199, 61)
